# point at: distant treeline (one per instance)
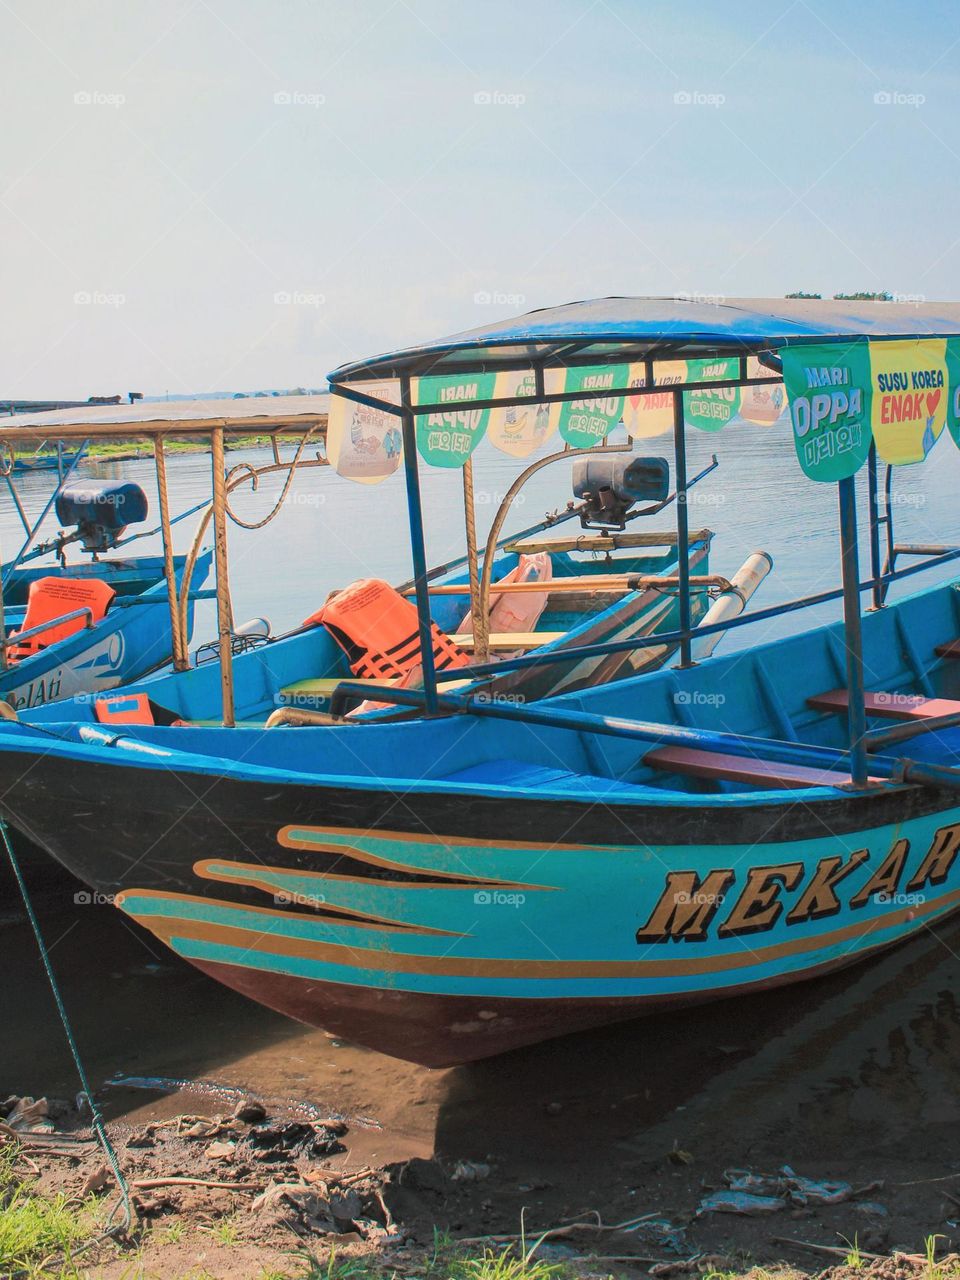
(861, 296)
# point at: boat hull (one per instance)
(449, 924)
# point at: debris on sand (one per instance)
(287, 1139)
(746, 1202)
(756, 1193)
(28, 1115)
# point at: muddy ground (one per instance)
(852, 1079)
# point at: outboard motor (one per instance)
(101, 510)
(610, 486)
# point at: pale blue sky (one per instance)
(156, 197)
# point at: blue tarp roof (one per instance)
(634, 328)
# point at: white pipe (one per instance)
(730, 604)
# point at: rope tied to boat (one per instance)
(96, 1124)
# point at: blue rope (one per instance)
(97, 1124)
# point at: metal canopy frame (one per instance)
(213, 428)
(571, 352)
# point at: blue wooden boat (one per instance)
(83, 628)
(43, 462)
(130, 639)
(493, 872)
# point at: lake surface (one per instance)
(331, 531)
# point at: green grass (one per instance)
(510, 1264)
(854, 1258)
(33, 1227)
(225, 1232)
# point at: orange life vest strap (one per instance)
(379, 631)
(49, 599)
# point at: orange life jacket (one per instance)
(377, 629)
(124, 708)
(49, 599)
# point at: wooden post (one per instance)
(224, 610)
(180, 660)
(481, 619)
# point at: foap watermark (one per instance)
(915, 500)
(491, 498)
(290, 898)
(699, 899)
(98, 98)
(703, 299)
(909, 299)
(98, 298)
(496, 298)
(702, 499)
(498, 898)
(698, 98)
(298, 298)
(698, 698)
(896, 701)
(498, 98)
(900, 899)
(298, 98)
(305, 499)
(896, 98)
(93, 898)
(499, 699)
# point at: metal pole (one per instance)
(180, 662)
(417, 550)
(481, 619)
(50, 501)
(853, 635)
(873, 497)
(224, 611)
(683, 548)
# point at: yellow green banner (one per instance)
(897, 393)
(447, 437)
(652, 415)
(584, 423)
(520, 429)
(711, 409)
(363, 443)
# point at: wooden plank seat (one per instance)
(949, 650)
(606, 541)
(509, 640)
(888, 706)
(726, 768)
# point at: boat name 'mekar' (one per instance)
(689, 907)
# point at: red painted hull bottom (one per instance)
(449, 1031)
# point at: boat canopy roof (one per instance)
(179, 417)
(608, 330)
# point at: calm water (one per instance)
(331, 531)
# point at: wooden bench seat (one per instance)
(726, 768)
(508, 640)
(888, 706)
(949, 650)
